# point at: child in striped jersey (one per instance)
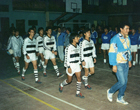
(29, 51)
(88, 56)
(39, 46)
(72, 64)
(49, 45)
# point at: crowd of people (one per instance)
(77, 50)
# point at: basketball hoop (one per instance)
(76, 10)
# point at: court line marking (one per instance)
(49, 95)
(30, 95)
(111, 71)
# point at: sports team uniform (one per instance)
(39, 44)
(94, 36)
(72, 59)
(87, 52)
(29, 48)
(105, 41)
(134, 42)
(36, 35)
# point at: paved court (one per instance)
(16, 94)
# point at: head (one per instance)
(12, 24)
(13, 32)
(31, 32)
(124, 28)
(48, 30)
(87, 33)
(139, 28)
(133, 30)
(106, 29)
(68, 30)
(116, 28)
(59, 29)
(34, 27)
(16, 33)
(55, 28)
(74, 38)
(81, 34)
(110, 28)
(41, 31)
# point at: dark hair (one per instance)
(134, 27)
(33, 27)
(106, 27)
(80, 32)
(93, 25)
(47, 28)
(72, 36)
(86, 30)
(30, 29)
(16, 30)
(40, 28)
(58, 27)
(123, 24)
(54, 27)
(69, 29)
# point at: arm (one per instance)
(67, 57)
(81, 53)
(24, 47)
(9, 43)
(37, 50)
(44, 44)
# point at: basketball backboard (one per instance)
(74, 6)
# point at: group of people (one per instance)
(78, 51)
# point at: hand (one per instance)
(130, 64)
(114, 69)
(69, 70)
(27, 57)
(83, 63)
(94, 60)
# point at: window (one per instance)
(93, 2)
(120, 2)
(32, 22)
(4, 8)
(90, 2)
(96, 2)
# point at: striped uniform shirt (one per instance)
(72, 55)
(49, 43)
(87, 49)
(29, 46)
(39, 42)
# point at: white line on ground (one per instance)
(49, 95)
(111, 71)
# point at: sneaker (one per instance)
(60, 88)
(80, 95)
(88, 87)
(122, 101)
(18, 72)
(23, 78)
(39, 82)
(44, 74)
(109, 96)
(60, 75)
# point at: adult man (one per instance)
(94, 34)
(66, 39)
(120, 58)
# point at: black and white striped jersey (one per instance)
(49, 43)
(72, 55)
(87, 49)
(29, 46)
(39, 42)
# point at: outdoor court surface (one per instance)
(16, 94)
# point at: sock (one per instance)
(44, 68)
(104, 60)
(42, 62)
(63, 83)
(136, 58)
(14, 61)
(36, 74)
(56, 69)
(78, 87)
(23, 72)
(86, 80)
(89, 74)
(18, 66)
(134, 63)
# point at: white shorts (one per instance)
(48, 54)
(105, 46)
(134, 48)
(41, 50)
(89, 62)
(75, 67)
(17, 53)
(32, 58)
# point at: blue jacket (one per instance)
(106, 38)
(111, 33)
(119, 51)
(134, 39)
(66, 39)
(93, 36)
(138, 38)
(60, 39)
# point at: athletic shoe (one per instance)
(18, 72)
(44, 74)
(23, 78)
(80, 95)
(60, 75)
(39, 82)
(60, 88)
(88, 87)
(122, 101)
(109, 96)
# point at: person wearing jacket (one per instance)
(120, 59)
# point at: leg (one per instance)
(44, 67)
(60, 52)
(104, 52)
(42, 59)
(17, 64)
(134, 60)
(24, 70)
